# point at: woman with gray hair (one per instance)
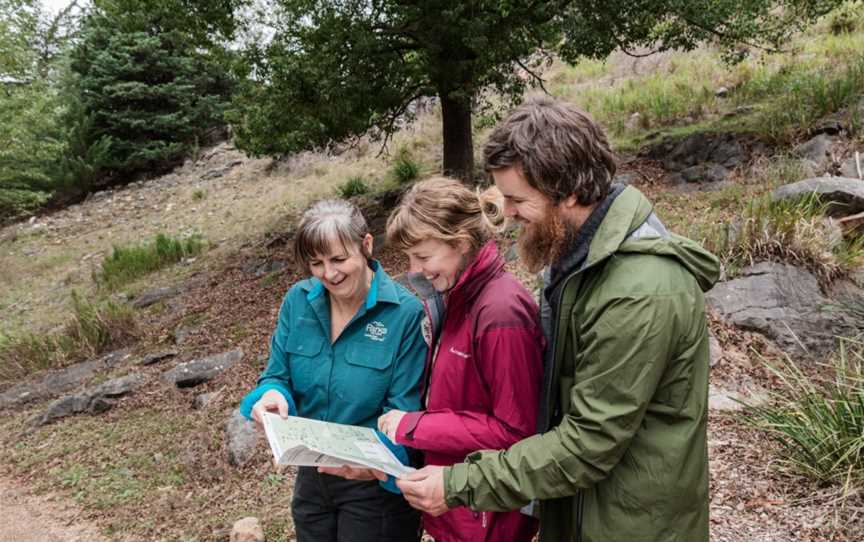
(348, 347)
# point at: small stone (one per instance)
(247, 530)
(205, 399)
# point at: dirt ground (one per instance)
(29, 518)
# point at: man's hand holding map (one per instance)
(313, 443)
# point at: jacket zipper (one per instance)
(551, 403)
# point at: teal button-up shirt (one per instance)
(374, 366)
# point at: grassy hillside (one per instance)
(155, 469)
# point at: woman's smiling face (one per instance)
(344, 271)
(441, 263)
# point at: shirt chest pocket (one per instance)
(305, 360)
(368, 373)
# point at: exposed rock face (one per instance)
(93, 400)
(199, 371)
(243, 438)
(845, 196)
(58, 382)
(782, 302)
(701, 149)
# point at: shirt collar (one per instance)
(381, 289)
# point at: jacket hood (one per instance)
(630, 226)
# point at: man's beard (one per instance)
(542, 243)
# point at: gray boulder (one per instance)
(93, 400)
(715, 350)
(724, 400)
(849, 168)
(199, 371)
(782, 302)
(711, 173)
(243, 438)
(845, 196)
(154, 296)
(817, 151)
(58, 382)
(700, 148)
(155, 357)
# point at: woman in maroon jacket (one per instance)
(484, 366)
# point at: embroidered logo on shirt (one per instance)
(462, 355)
(376, 331)
(426, 330)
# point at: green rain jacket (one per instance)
(625, 457)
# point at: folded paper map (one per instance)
(313, 443)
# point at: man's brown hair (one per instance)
(558, 148)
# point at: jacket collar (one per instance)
(484, 267)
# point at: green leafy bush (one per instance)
(355, 186)
(405, 169)
(127, 263)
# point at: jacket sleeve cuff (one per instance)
(456, 489)
(407, 426)
(255, 395)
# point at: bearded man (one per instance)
(621, 450)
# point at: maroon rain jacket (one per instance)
(483, 388)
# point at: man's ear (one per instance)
(569, 203)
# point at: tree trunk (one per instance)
(458, 142)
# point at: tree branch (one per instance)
(533, 75)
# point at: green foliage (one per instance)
(199, 194)
(31, 147)
(819, 423)
(127, 263)
(354, 186)
(800, 96)
(146, 92)
(405, 169)
(93, 328)
(334, 70)
(790, 231)
(847, 18)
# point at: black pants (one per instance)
(331, 509)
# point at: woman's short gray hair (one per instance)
(326, 223)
